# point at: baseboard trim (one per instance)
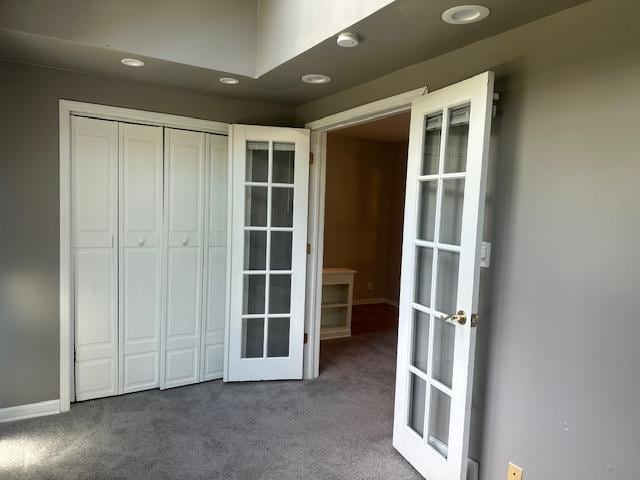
(371, 301)
(20, 412)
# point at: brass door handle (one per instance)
(459, 317)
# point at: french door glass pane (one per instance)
(444, 335)
(281, 243)
(457, 140)
(424, 263)
(417, 401)
(431, 152)
(283, 162)
(420, 339)
(252, 337)
(451, 211)
(253, 294)
(447, 281)
(255, 250)
(255, 206)
(281, 207)
(427, 210)
(439, 410)
(278, 337)
(257, 162)
(279, 293)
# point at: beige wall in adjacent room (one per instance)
(363, 212)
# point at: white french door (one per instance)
(270, 176)
(446, 177)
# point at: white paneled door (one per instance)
(270, 175)
(149, 238)
(140, 255)
(216, 259)
(184, 202)
(94, 196)
(446, 177)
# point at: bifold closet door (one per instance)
(184, 181)
(140, 255)
(94, 200)
(216, 263)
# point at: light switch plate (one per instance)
(514, 472)
(485, 255)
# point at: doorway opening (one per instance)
(363, 222)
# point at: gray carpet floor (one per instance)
(335, 427)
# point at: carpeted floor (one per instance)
(336, 427)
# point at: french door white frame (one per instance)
(317, 185)
(67, 108)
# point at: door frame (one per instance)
(67, 108)
(317, 187)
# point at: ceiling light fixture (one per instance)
(132, 62)
(464, 14)
(316, 78)
(348, 39)
(229, 80)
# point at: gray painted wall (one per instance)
(557, 387)
(29, 205)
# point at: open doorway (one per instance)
(364, 211)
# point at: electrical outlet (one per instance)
(514, 472)
(370, 287)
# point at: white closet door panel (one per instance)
(216, 297)
(213, 339)
(182, 306)
(141, 160)
(95, 299)
(94, 220)
(94, 181)
(184, 223)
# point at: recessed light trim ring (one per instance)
(132, 62)
(316, 78)
(465, 14)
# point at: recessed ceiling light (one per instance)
(348, 39)
(316, 78)
(229, 80)
(132, 62)
(464, 14)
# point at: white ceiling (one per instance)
(267, 44)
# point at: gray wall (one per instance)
(29, 205)
(558, 387)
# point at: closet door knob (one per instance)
(141, 241)
(185, 240)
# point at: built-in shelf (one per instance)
(337, 301)
(334, 305)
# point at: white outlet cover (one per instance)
(485, 255)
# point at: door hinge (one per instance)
(310, 158)
(306, 338)
(308, 249)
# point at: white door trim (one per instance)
(67, 108)
(317, 184)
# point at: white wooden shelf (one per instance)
(337, 302)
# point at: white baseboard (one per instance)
(371, 301)
(40, 409)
